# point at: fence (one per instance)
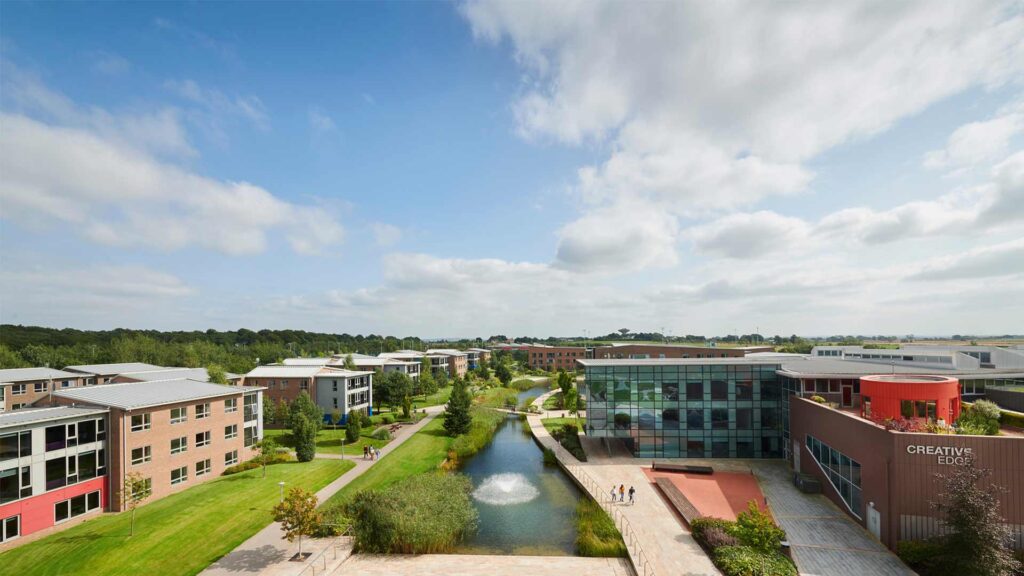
(640, 562)
(327, 555)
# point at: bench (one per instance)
(682, 505)
(691, 468)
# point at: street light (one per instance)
(281, 484)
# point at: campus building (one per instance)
(458, 361)
(553, 358)
(330, 387)
(642, 351)
(53, 468)
(24, 387)
(105, 373)
(477, 357)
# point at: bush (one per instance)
(381, 433)
(702, 525)
(388, 419)
(986, 409)
(755, 528)
(919, 554)
(278, 458)
(549, 456)
(523, 384)
(570, 440)
(818, 399)
(596, 535)
(482, 426)
(747, 561)
(715, 537)
(422, 514)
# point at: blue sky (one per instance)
(449, 169)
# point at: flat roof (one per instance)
(281, 371)
(825, 367)
(588, 362)
(133, 395)
(118, 368)
(447, 351)
(306, 361)
(343, 373)
(23, 374)
(170, 374)
(31, 415)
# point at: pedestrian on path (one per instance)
(622, 492)
(366, 451)
(378, 453)
(613, 492)
(632, 491)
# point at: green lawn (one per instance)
(435, 399)
(328, 441)
(552, 402)
(553, 424)
(178, 535)
(423, 452)
(495, 397)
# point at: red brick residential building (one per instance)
(24, 387)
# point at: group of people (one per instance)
(370, 453)
(621, 490)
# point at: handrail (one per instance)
(322, 556)
(640, 562)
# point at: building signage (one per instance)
(943, 454)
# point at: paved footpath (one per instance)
(472, 565)
(266, 553)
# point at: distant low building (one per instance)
(24, 387)
(330, 387)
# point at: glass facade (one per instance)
(688, 410)
(842, 471)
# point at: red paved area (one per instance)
(720, 495)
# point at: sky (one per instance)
(522, 168)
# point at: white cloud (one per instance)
(1004, 259)
(621, 237)
(750, 235)
(716, 106)
(320, 122)
(95, 180)
(217, 106)
(977, 143)
(386, 234)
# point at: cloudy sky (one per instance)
(467, 169)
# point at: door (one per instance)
(847, 396)
(874, 521)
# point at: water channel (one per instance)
(525, 507)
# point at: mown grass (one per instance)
(496, 397)
(596, 534)
(181, 534)
(329, 441)
(553, 402)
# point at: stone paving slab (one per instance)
(479, 565)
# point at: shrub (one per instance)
(715, 537)
(755, 528)
(596, 535)
(381, 433)
(985, 409)
(902, 424)
(388, 419)
(702, 525)
(818, 399)
(570, 440)
(919, 554)
(977, 422)
(747, 561)
(522, 384)
(549, 456)
(422, 514)
(278, 458)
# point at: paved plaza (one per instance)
(470, 565)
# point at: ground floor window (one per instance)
(231, 458)
(76, 506)
(179, 475)
(10, 528)
(203, 467)
(842, 471)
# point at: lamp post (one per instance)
(281, 485)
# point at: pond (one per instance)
(534, 392)
(525, 507)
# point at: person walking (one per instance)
(632, 491)
(622, 492)
(365, 453)
(378, 453)
(613, 492)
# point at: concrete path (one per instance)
(266, 553)
(823, 539)
(473, 565)
(657, 543)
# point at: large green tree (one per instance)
(393, 387)
(352, 427)
(304, 433)
(503, 374)
(303, 404)
(427, 383)
(565, 382)
(456, 413)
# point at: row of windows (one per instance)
(144, 454)
(40, 387)
(73, 469)
(14, 445)
(68, 509)
(84, 432)
(142, 422)
(303, 384)
(842, 471)
(697, 419)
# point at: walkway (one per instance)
(657, 543)
(823, 539)
(473, 565)
(266, 553)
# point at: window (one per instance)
(744, 390)
(14, 445)
(866, 402)
(179, 445)
(719, 390)
(841, 471)
(179, 475)
(720, 419)
(907, 408)
(40, 387)
(231, 458)
(9, 489)
(19, 389)
(87, 466)
(304, 385)
(231, 405)
(231, 432)
(250, 402)
(56, 473)
(140, 422)
(147, 486)
(203, 439)
(202, 468)
(76, 506)
(202, 411)
(695, 419)
(695, 391)
(744, 418)
(141, 455)
(10, 528)
(179, 415)
(56, 437)
(87, 431)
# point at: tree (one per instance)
(303, 404)
(503, 374)
(281, 412)
(335, 417)
(571, 402)
(268, 411)
(304, 433)
(406, 407)
(456, 413)
(298, 515)
(565, 382)
(136, 489)
(394, 386)
(216, 374)
(352, 427)
(268, 450)
(350, 364)
(483, 372)
(979, 540)
(441, 381)
(427, 381)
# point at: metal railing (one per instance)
(320, 561)
(641, 563)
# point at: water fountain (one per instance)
(505, 489)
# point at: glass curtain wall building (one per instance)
(687, 408)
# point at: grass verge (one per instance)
(178, 535)
(329, 441)
(596, 534)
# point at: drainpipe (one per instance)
(124, 448)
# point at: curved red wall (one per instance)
(887, 391)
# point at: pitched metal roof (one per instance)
(169, 374)
(281, 371)
(24, 374)
(118, 368)
(132, 395)
(31, 415)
